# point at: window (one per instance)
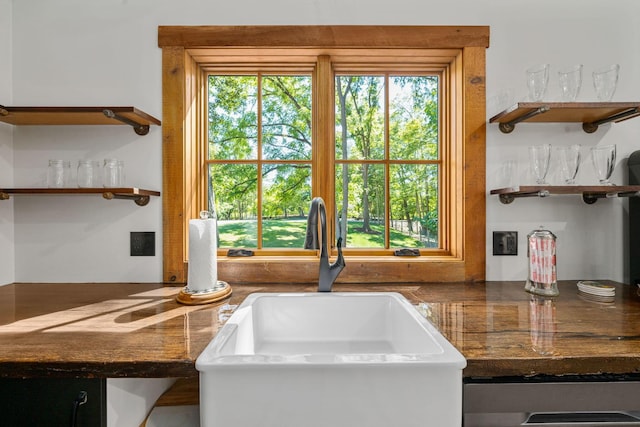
(387, 160)
(387, 124)
(260, 158)
(386, 163)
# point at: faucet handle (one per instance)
(340, 261)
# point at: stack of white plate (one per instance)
(596, 291)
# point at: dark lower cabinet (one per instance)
(56, 402)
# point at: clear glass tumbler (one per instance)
(604, 161)
(97, 174)
(605, 81)
(537, 80)
(507, 174)
(539, 156)
(86, 174)
(121, 175)
(569, 162)
(111, 175)
(570, 79)
(58, 173)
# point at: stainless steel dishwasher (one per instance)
(567, 401)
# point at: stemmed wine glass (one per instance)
(604, 161)
(569, 162)
(539, 156)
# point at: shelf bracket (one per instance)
(629, 194)
(137, 199)
(508, 198)
(137, 127)
(591, 127)
(141, 200)
(589, 198)
(508, 127)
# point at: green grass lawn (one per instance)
(290, 233)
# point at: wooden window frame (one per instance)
(186, 53)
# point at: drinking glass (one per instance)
(85, 174)
(569, 162)
(604, 161)
(111, 175)
(59, 173)
(89, 174)
(570, 79)
(121, 176)
(507, 174)
(605, 81)
(539, 156)
(537, 79)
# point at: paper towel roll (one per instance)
(203, 262)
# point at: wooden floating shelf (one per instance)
(139, 196)
(590, 194)
(131, 116)
(590, 114)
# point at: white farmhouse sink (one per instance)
(329, 359)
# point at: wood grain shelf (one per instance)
(590, 193)
(139, 196)
(131, 116)
(590, 114)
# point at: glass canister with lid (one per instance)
(541, 254)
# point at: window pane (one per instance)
(414, 206)
(285, 202)
(233, 125)
(360, 199)
(236, 196)
(413, 118)
(286, 117)
(359, 117)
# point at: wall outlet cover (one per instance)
(143, 243)
(505, 243)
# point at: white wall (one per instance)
(591, 238)
(7, 258)
(70, 52)
(86, 53)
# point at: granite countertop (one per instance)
(139, 330)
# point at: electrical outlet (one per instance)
(143, 243)
(505, 243)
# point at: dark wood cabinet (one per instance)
(59, 402)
